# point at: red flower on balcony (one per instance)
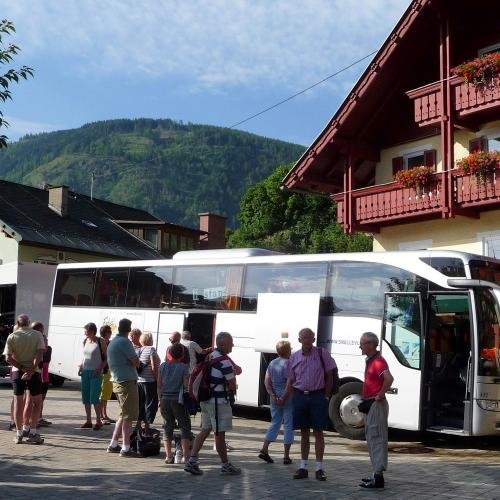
(479, 164)
(416, 177)
(479, 71)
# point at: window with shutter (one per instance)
(430, 158)
(397, 164)
(477, 144)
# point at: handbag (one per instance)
(365, 405)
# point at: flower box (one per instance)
(479, 71)
(416, 177)
(479, 164)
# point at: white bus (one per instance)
(437, 314)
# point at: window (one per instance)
(485, 270)
(413, 160)
(151, 236)
(493, 142)
(111, 287)
(448, 266)
(207, 287)
(403, 328)
(74, 287)
(283, 278)
(358, 287)
(149, 287)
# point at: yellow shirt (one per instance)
(23, 344)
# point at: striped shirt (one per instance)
(145, 354)
(306, 371)
(222, 372)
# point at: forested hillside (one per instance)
(170, 169)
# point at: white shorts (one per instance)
(224, 416)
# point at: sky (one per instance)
(213, 62)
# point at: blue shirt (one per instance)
(172, 379)
(120, 351)
(277, 372)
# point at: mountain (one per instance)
(168, 168)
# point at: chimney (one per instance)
(58, 199)
(215, 226)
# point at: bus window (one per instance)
(111, 287)
(449, 266)
(207, 287)
(488, 334)
(282, 278)
(74, 287)
(149, 287)
(357, 287)
(403, 328)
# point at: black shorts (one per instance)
(45, 387)
(34, 384)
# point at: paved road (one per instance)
(73, 464)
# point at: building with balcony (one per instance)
(408, 109)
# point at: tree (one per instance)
(291, 222)
(12, 75)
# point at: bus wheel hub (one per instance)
(349, 411)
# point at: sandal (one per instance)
(169, 460)
(97, 426)
(287, 461)
(266, 457)
(86, 425)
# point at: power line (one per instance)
(303, 91)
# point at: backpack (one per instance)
(145, 443)
(199, 386)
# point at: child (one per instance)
(172, 381)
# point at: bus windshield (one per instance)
(485, 270)
(488, 333)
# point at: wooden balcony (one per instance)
(390, 204)
(466, 99)
(476, 194)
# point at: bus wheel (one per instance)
(56, 380)
(344, 413)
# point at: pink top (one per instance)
(306, 371)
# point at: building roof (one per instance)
(88, 227)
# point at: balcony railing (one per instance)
(472, 192)
(466, 99)
(383, 204)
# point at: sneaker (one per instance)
(18, 439)
(26, 433)
(320, 475)
(228, 469)
(128, 453)
(193, 468)
(44, 423)
(377, 481)
(301, 474)
(35, 439)
(114, 449)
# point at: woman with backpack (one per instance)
(93, 363)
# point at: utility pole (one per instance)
(92, 175)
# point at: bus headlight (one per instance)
(488, 404)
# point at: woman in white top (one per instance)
(93, 362)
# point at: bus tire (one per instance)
(56, 380)
(344, 413)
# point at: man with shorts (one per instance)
(122, 362)
(216, 413)
(24, 350)
(310, 379)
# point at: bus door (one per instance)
(202, 328)
(168, 323)
(280, 316)
(401, 346)
(447, 396)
